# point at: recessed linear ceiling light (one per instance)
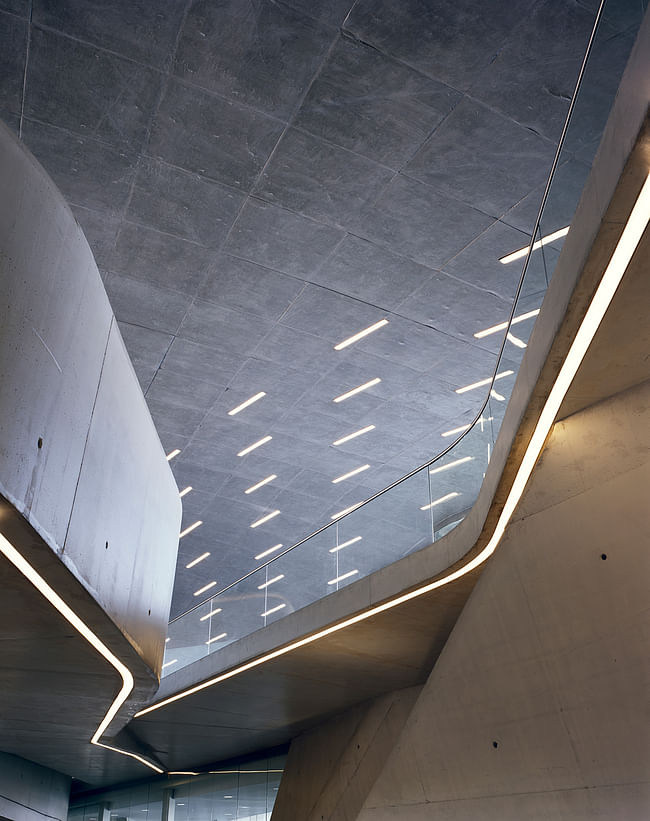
(497, 396)
(254, 445)
(267, 552)
(344, 576)
(451, 465)
(204, 588)
(273, 610)
(217, 638)
(354, 435)
(211, 613)
(543, 241)
(358, 389)
(261, 484)
(172, 454)
(270, 582)
(503, 325)
(600, 302)
(518, 343)
(167, 639)
(190, 529)
(467, 427)
(169, 663)
(345, 544)
(351, 339)
(197, 560)
(351, 473)
(440, 500)
(265, 518)
(482, 382)
(246, 403)
(185, 491)
(346, 510)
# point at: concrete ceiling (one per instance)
(259, 181)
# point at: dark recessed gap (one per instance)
(40, 443)
(495, 744)
(603, 556)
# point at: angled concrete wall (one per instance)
(537, 707)
(31, 793)
(79, 455)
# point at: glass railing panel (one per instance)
(429, 503)
(186, 639)
(381, 531)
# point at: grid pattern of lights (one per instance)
(521, 253)
(357, 390)
(198, 559)
(255, 487)
(344, 576)
(266, 518)
(270, 582)
(190, 529)
(483, 382)
(350, 474)
(246, 404)
(338, 547)
(503, 325)
(439, 501)
(267, 552)
(210, 614)
(354, 435)
(257, 444)
(360, 335)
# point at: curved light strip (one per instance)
(24, 567)
(636, 224)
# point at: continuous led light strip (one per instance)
(197, 560)
(483, 382)
(442, 499)
(521, 253)
(451, 465)
(268, 479)
(349, 474)
(265, 518)
(356, 337)
(211, 613)
(267, 552)
(358, 389)
(353, 435)
(609, 283)
(255, 445)
(345, 544)
(503, 325)
(246, 403)
(24, 567)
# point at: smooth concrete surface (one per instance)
(537, 707)
(330, 769)
(80, 458)
(31, 793)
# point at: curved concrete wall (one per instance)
(80, 458)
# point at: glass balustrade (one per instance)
(426, 504)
